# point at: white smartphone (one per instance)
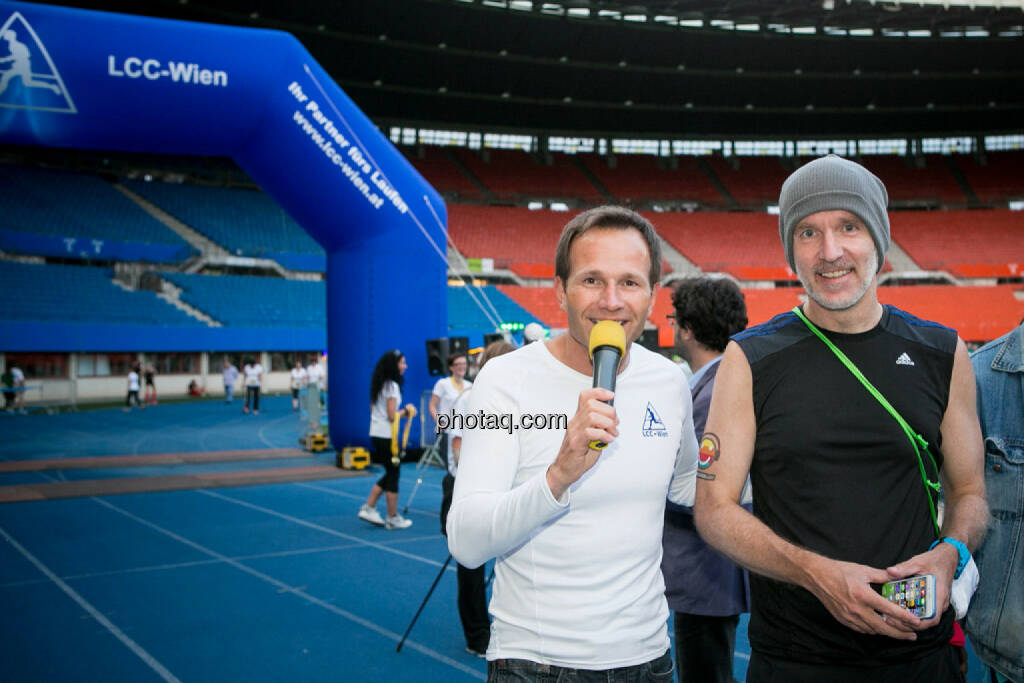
(914, 593)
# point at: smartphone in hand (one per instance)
(914, 593)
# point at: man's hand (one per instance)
(940, 561)
(843, 588)
(594, 420)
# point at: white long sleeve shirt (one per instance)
(578, 583)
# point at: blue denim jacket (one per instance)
(995, 622)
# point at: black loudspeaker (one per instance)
(649, 339)
(437, 356)
(439, 350)
(492, 337)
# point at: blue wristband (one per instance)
(963, 554)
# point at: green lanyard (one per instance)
(916, 440)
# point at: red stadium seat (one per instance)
(977, 243)
(639, 177)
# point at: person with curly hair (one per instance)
(705, 590)
(385, 399)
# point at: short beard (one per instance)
(872, 267)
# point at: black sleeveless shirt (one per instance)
(834, 473)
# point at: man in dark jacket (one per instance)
(705, 590)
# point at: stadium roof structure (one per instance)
(923, 18)
(738, 69)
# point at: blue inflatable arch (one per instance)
(96, 80)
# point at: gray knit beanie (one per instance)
(832, 183)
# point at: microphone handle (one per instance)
(606, 366)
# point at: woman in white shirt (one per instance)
(446, 391)
(298, 382)
(253, 372)
(385, 398)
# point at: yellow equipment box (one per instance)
(353, 458)
(315, 442)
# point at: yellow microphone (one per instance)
(607, 346)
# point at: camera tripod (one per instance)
(431, 456)
(430, 592)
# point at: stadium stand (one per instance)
(441, 172)
(522, 240)
(753, 181)
(976, 313)
(72, 215)
(745, 245)
(975, 243)
(637, 178)
(252, 301)
(541, 271)
(507, 234)
(464, 313)
(80, 294)
(932, 182)
(245, 222)
(762, 305)
(540, 302)
(513, 174)
(999, 179)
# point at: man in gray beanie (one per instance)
(840, 503)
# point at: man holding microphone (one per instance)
(576, 529)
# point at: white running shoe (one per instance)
(370, 515)
(397, 521)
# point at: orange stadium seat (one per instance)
(746, 245)
(905, 183)
(511, 174)
(539, 271)
(999, 179)
(976, 243)
(638, 177)
(440, 172)
(540, 301)
(976, 313)
(506, 234)
(755, 182)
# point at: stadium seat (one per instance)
(997, 180)
(975, 243)
(467, 312)
(245, 222)
(76, 215)
(638, 178)
(514, 174)
(440, 172)
(252, 301)
(80, 294)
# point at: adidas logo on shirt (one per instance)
(904, 359)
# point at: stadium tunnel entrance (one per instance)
(95, 80)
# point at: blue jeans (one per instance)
(229, 392)
(516, 670)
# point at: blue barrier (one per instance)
(55, 337)
(86, 248)
(99, 80)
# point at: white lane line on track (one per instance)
(139, 651)
(356, 496)
(318, 527)
(365, 623)
(201, 563)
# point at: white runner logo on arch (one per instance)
(28, 77)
